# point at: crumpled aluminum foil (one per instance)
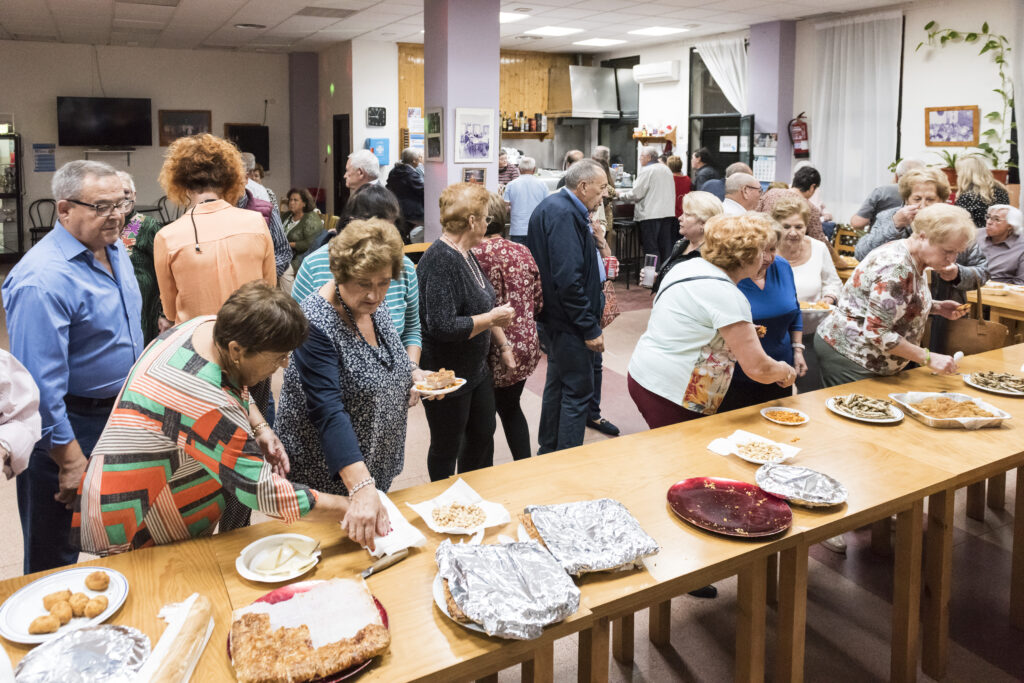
(513, 590)
(800, 485)
(111, 654)
(592, 535)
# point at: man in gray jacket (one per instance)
(654, 193)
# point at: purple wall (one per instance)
(771, 61)
(303, 85)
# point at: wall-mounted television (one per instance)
(104, 122)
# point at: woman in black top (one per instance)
(460, 321)
(976, 189)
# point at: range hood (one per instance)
(584, 92)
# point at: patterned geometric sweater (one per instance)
(178, 437)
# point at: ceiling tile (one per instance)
(123, 10)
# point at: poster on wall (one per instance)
(433, 132)
(951, 126)
(181, 123)
(474, 175)
(473, 128)
(44, 157)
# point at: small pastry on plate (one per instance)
(97, 581)
(53, 598)
(96, 606)
(78, 602)
(45, 624)
(62, 610)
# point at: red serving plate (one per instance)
(729, 507)
(287, 593)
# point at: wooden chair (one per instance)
(167, 211)
(42, 213)
(415, 250)
(332, 222)
(845, 240)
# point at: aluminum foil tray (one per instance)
(908, 400)
(800, 485)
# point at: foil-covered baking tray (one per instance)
(91, 654)
(591, 535)
(512, 590)
(800, 485)
(907, 400)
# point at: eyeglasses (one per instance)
(756, 188)
(106, 210)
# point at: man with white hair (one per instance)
(523, 195)
(1001, 242)
(361, 169)
(654, 194)
(742, 192)
(737, 167)
(883, 197)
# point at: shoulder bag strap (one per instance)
(688, 279)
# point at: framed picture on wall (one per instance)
(474, 175)
(474, 130)
(180, 123)
(951, 126)
(433, 131)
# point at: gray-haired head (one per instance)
(583, 170)
(648, 153)
(68, 180)
(365, 161)
(737, 181)
(906, 166)
(411, 156)
(602, 153)
(126, 179)
(527, 164)
(737, 167)
(1014, 216)
(249, 160)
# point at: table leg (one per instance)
(750, 621)
(881, 537)
(997, 492)
(659, 624)
(622, 639)
(772, 595)
(938, 577)
(906, 594)
(792, 624)
(976, 501)
(593, 653)
(1017, 571)
(540, 669)
(493, 678)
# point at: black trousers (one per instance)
(461, 430)
(657, 235)
(513, 421)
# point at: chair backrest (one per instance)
(332, 222)
(845, 240)
(42, 213)
(415, 250)
(167, 210)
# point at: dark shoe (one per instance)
(705, 592)
(604, 426)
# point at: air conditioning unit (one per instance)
(657, 72)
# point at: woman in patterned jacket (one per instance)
(183, 433)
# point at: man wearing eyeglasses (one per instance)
(74, 320)
(742, 191)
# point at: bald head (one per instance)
(738, 167)
(744, 189)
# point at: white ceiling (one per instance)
(290, 28)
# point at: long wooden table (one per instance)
(1009, 306)
(886, 469)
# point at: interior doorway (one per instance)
(342, 147)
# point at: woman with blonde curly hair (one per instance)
(345, 396)
(701, 325)
(976, 189)
(214, 248)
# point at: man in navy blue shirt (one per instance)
(569, 325)
(74, 319)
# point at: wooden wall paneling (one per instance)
(410, 78)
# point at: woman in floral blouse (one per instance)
(513, 273)
(877, 325)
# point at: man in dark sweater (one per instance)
(406, 182)
(569, 326)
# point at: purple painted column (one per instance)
(461, 49)
(304, 127)
(771, 63)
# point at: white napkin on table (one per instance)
(461, 492)
(402, 535)
(731, 444)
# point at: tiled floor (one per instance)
(848, 597)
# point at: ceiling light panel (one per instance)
(325, 12)
(511, 17)
(657, 31)
(599, 42)
(553, 31)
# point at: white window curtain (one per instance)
(726, 59)
(856, 100)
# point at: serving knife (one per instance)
(385, 562)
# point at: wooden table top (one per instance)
(884, 468)
(1010, 301)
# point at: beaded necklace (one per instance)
(473, 268)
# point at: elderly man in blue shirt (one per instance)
(74, 319)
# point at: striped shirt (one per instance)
(177, 440)
(402, 300)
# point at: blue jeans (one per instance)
(45, 523)
(568, 389)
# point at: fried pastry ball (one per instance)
(53, 598)
(78, 602)
(97, 581)
(47, 624)
(62, 610)
(96, 606)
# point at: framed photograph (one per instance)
(951, 126)
(474, 175)
(180, 123)
(433, 131)
(473, 135)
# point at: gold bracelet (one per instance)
(259, 428)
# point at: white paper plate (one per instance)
(830, 404)
(813, 311)
(249, 553)
(495, 514)
(26, 604)
(1002, 392)
(438, 590)
(441, 392)
(801, 413)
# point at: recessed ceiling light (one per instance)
(553, 31)
(599, 42)
(250, 26)
(511, 17)
(657, 31)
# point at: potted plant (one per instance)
(949, 159)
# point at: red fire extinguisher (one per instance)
(799, 136)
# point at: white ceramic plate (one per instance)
(441, 392)
(1002, 392)
(803, 415)
(830, 404)
(26, 604)
(438, 589)
(251, 551)
(813, 311)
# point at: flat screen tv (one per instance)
(104, 122)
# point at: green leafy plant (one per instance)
(948, 158)
(996, 144)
